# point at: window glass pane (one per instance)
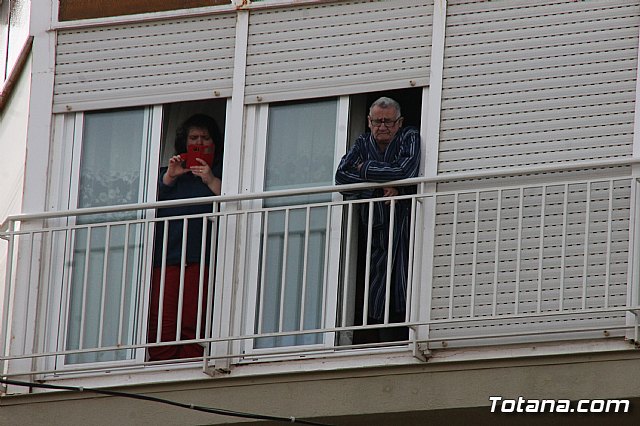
(300, 153)
(106, 257)
(4, 37)
(300, 145)
(17, 30)
(111, 158)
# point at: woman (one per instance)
(179, 181)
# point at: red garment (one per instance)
(170, 312)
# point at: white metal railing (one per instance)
(541, 261)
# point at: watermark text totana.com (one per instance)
(522, 405)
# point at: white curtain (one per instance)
(104, 268)
(300, 153)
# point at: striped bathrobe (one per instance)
(400, 160)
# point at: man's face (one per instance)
(384, 124)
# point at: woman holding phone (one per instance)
(195, 170)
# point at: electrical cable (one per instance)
(219, 411)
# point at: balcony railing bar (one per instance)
(608, 261)
(367, 268)
(565, 219)
(183, 265)
(543, 215)
(201, 274)
(516, 304)
(305, 266)
(347, 262)
(85, 281)
(412, 253)
(283, 280)
(496, 257)
(452, 269)
(269, 194)
(325, 279)
(103, 299)
(387, 297)
(163, 273)
(123, 278)
(474, 265)
(210, 282)
(265, 238)
(633, 310)
(585, 254)
(450, 177)
(310, 350)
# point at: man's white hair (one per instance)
(385, 102)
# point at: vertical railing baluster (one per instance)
(85, 281)
(183, 267)
(496, 254)
(543, 214)
(305, 266)
(387, 297)
(123, 280)
(607, 280)
(412, 242)
(203, 258)
(563, 250)
(325, 274)
(45, 319)
(367, 268)
(103, 290)
(585, 266)
(474, 265)
(283, 280)
(516, 304)
(213, 250)
(163, 273)
(8, 293)
(347, 269)
(452, 269)
(263, 270)
(30, 290)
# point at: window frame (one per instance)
(257, 134)
(64, 186)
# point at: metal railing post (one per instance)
(6, 301)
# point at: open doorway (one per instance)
(410, 101)
(185, 235)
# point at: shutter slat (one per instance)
(337, 48)
(143, 64)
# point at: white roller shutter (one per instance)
(338, 48)
(144, 63)
(533, 83)
(537, 82)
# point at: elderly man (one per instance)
(390, 152)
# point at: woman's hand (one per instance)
(174, 170)
(203, 171)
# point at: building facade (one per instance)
(523, 270)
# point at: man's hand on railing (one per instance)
(389, 191)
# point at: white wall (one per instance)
(13, 138)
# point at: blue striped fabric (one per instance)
(401, 160)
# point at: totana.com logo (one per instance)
(522, 405)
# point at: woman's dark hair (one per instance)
(200, 121)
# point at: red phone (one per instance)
(199, 151)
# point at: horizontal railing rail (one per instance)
(449, 177)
